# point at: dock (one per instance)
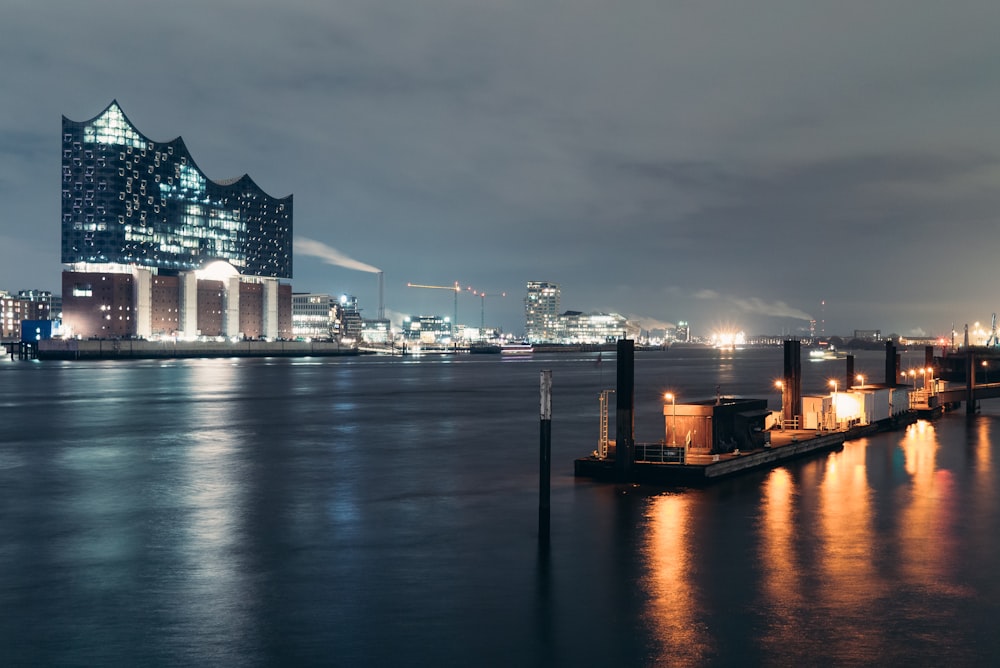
(715, 440)
(703, 469)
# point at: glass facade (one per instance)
(129, 200)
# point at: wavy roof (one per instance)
(180, 148)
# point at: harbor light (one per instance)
(669, 396)
(833, 384)
(780, 384)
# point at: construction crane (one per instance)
(482, 306)
(993, 340)
(454, 288)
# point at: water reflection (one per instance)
(848, 583)
(782, 577)
(672, 595)
(926, 527)
(212, 587)
(982, 458)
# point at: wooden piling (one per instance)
(545, 457)
(625, 414)
(791, 395)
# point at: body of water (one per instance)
(383, 512)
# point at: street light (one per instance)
(833, 383)
(861, 379)
(781, 386)
(669, 396)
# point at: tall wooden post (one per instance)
(791, 395)
(970, 383)
(891, 365)
(624, 418)
(544, 457)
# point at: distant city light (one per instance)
(728, 339)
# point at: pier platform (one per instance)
(704, 469)
(786, 445)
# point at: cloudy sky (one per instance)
(716, 162)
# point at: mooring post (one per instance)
(544, 456)
(625, 415)
(970, 384)
(791, 394)
(891, 364)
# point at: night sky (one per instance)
(724, 163)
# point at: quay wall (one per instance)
(56, 349)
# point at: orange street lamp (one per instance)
(781, 386)
(833, 383)
(861, 379)
(669, 396)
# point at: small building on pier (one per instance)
(717, 426)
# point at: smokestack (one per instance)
(381, 295)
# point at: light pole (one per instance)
(669, 396)
(834, 384)
(781, 386)
(861, 379)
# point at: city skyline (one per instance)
(721, 165)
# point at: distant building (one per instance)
(868, 334)
(12, 312)
(26, 305)
(427, 328)
(376, 330)
(41, 304)
(350, 318)
(682, 332)
(577, 327)
(153, 247)
(315, 316)
(541, 312)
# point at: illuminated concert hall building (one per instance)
(155, 248)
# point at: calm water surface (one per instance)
(383, 512)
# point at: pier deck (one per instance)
(786, 445)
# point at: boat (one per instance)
(516, 348)
(484, 348)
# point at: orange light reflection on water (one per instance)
(781, 566)
(848, 581)
(926, 525)
(672, 599)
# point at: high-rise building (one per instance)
(154, 247)
(541, 312)
(129, 200)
